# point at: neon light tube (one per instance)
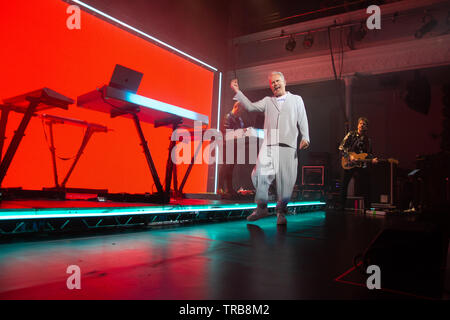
(16, 214)
(143, 34)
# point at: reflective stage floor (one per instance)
(310, 258)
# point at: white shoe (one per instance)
(258, 213)
(281, 213)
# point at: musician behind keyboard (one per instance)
(232, 121)
(357, 142)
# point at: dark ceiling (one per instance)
(204, 27)
(251, 16)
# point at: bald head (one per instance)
(277, 83)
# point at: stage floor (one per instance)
(310, 258)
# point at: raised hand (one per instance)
(234, 85)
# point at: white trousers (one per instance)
(275, 162)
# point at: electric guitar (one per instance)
(359, 159)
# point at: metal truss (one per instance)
(81, 224)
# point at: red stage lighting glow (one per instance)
(39, 50)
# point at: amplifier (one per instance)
(313, 175)
(313, 195)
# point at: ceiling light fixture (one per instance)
(290, 45)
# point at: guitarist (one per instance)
(357, 142)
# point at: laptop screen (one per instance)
(125, 79)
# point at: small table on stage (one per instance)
(119, 102)
(27, 104)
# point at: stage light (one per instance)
(308, 41)
(290, 45)
(164, 107)
(361, 32)
(428, 24)
(395, 17)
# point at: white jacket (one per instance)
(286, 122)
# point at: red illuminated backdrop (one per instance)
(38, 50)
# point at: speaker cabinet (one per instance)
(383, 181)
(410, 259)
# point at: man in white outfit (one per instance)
(285, 116)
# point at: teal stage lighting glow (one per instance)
(54, 213)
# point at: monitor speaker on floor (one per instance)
(410, 259)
